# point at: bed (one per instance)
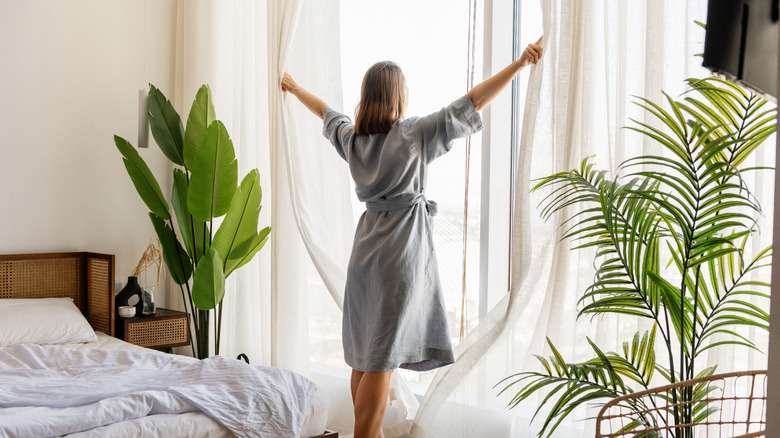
(63, 374)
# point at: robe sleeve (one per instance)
(437, 131)
(339, 129)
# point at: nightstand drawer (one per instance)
(166, 329)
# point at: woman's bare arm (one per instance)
(312, 102)
(484, 93)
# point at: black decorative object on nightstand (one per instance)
(129, 291)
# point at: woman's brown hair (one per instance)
(382, 99)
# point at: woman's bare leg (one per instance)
(354, 383)
(370, 398)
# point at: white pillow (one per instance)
(43, 321)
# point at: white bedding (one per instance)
(104, 391)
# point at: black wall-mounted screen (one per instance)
(741, 42)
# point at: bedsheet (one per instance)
(55, 390)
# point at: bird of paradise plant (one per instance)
(205, 188)
(670, 240)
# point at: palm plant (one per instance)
(205, 188)
(670, 241)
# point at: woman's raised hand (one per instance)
(312, 102)
(484, 93)
(532, 54)
(288, 84)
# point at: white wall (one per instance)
(70, 72)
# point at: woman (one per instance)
(394, 314)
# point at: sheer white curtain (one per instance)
(240, 48)
(304, 40)
(223, 44)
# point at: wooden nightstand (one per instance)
(166, 329)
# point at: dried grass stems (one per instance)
(152, 256)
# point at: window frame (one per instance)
(497, 161)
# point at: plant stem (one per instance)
(187, 314)
(686, 364)
(192, 225)
(218, 328)
(186, 283)
(204, 235)
(693, 329)
(196, 320)
(203, 334)
(671, 366)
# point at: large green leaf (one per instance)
(255, 245)
(166, 126)
(201, 115)
(179, 265)
(192, 230)
(144, 181)
(208, 287)
(179, 202)
(237, 232)
(214, 175)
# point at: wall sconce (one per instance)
(143, 120)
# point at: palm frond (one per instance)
(571, 385)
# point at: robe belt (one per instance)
(403, 201)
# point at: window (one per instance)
(429, 41)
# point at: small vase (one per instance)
(149, 307)
(131, 289)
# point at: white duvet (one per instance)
(54, 391)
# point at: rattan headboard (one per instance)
(86, 277)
